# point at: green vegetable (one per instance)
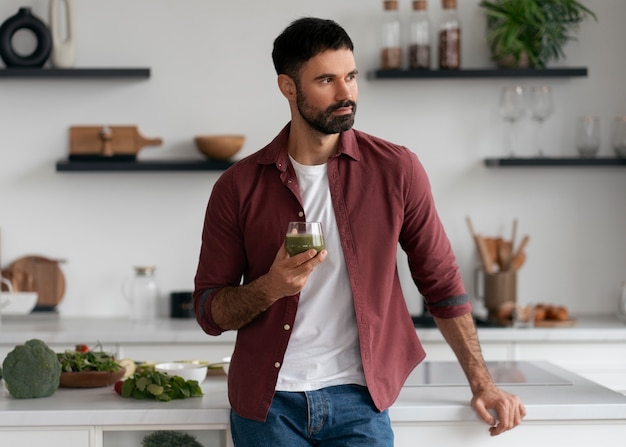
(170, 439)
(73, 361)
(146, 384)
(31, 370)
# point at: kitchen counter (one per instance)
(568, 397)
(68, 331)
(435, 396)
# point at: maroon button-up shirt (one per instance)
(381, 196)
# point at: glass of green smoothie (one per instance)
(303, 236)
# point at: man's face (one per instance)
(327, 91)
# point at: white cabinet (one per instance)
(57, 437)
(210, 436)
(466, 434)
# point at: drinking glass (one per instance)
(619, 136)
(512, 109)
(588, 136)
(303, 236)
(541, 107)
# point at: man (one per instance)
(325, 341)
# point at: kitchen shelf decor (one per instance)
(479, 73)
(142, 165)
(76, 73)
(512, 162)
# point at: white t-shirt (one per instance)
(324, 346)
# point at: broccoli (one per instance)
(31, 370)
(170, 439)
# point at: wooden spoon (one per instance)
(504, 254)
(520, 256)
(484, 254)
(518, 261)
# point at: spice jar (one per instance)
(391, 51)
(419, 37)
(449, 37)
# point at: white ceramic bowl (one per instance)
(17, 303)
(188, 371)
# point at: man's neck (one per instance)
(310, 147)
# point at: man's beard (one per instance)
(324, 121)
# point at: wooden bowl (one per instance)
(90, 379)
(219, 147)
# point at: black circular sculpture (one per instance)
(24, 19)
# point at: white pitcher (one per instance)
(63, 43)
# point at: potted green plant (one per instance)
(529, 33)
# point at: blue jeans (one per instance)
(337, 416)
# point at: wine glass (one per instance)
(541, 107)
(303, 236)
(512, 109)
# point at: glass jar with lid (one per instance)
(449, 37)
(419, 36)
(142, 293)
(391, 50)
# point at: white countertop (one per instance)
(577, 399)
(69, 331)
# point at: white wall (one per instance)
(212, 73)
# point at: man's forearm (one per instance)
(460, 334)
(234, 307)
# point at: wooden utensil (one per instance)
(492, 245)
(513, 235)
(519, 257)
(484, 254)
(504, 255)
(481, 246)
(518, 261)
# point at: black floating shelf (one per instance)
(142, 165)
(75, 73)
(553, 162)
(478, 73)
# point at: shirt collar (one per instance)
(276, 151)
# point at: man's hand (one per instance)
(508, 408)
(289, 274)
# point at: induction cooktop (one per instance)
(503, 373)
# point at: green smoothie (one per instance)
(299, 243)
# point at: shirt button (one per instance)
(301, 213)
(277, 365)
(286, 327)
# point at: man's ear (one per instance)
(287, 86)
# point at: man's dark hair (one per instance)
(305, 38)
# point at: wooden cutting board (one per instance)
(38, 274)
(555, 323)
(108, 141)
